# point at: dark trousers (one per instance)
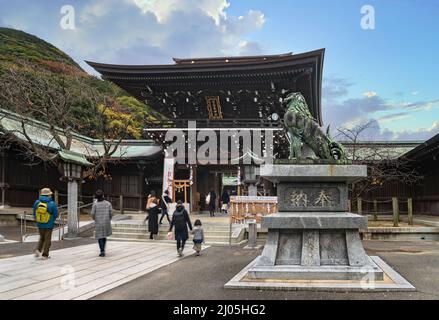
(45, 241)
(180, 244)
(164, 213)
(102, 242)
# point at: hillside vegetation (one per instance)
(34, 59)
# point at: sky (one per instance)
(380, 64)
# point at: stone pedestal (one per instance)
(313, 237)
(252, 236)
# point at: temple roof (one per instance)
(425, 150)
(234, 59)
(90, 148)
(378, 150)
(246, 87)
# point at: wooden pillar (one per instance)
(141, 189)
(194, 190)
(121, 204)
(395, 211)
(3, 183)
(56, 197)
(410, 211)
(359, 205)
(375, 210)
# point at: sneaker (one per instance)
(37, 253)
(180, 252)
(45, 258)
(102, 254)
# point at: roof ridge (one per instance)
(83, 138)
(231, 58)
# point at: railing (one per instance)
(61, 221)
(23, 225)
(251, 208)
(392, 207)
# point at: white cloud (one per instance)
(342, 112)
(422, 105)
(418, 134)
(247, 48)
(257, 18)
(393, 117)
(143, 31)
(93, 11)
(370, 94)
(163, 9)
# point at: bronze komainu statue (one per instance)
(305, 134)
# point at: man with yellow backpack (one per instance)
(45, 213)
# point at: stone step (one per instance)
(216, 239)
(165, 232)
(166, 226)
(210, 243)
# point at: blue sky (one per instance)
(388, 74)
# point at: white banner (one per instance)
(168, 175)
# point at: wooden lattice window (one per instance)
(130, 184)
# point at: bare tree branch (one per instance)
(384, 164)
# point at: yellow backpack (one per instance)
(42, 215)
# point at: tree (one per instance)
(385, 164)
(65, 103)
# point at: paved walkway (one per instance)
(204, 277)
(78, 272)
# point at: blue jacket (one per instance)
(52, 208)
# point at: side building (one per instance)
(132, 171)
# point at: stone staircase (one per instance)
(216, 234)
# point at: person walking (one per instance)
(225, 200)
(45, 212)
(153, 214)
(102, 212)
(164, 204)
(212, 203)
(180, 220)
(198, 238)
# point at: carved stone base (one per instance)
(314, 246)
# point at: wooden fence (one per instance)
(393, 206)
(251, 208)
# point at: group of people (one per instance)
(180, 221)
(211, 202)
(45, 211)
